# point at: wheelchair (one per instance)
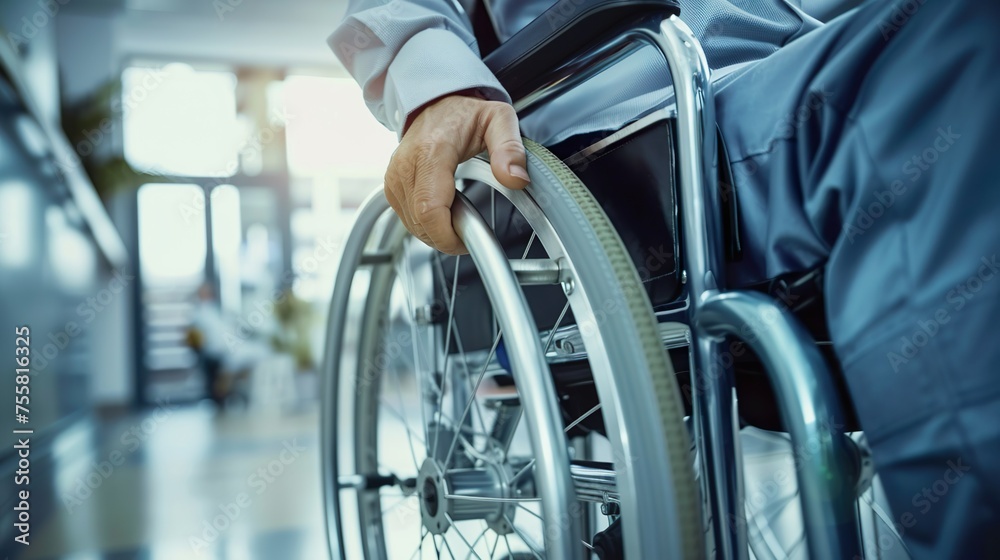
(525, 401)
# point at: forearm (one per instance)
(406, 54)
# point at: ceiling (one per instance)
(253, 32)
(244, 10)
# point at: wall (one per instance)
(32, 30)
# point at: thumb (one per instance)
(503, 142)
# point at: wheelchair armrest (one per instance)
(561, 32)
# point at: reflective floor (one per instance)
(190, 482)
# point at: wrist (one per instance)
(476, 93)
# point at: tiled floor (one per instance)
(156, 484)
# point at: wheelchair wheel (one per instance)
(431, 451)
(774, 505)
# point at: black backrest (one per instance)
(566, 29)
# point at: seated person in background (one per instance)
(865, 145)
(206, 338)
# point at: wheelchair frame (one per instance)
(808, 402)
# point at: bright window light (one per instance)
(329, 128)
(179, 121)
(18, 239)
(172, 240)
(227, 235)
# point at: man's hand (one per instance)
(420, 181)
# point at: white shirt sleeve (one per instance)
(407, 53)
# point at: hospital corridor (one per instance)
(499, 279)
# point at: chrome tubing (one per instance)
(531, 376)
(372, 208)
(537, 272)
(595, 484)
(806, 395)
(809, 409)
(716, 429)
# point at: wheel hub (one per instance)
(462, 494)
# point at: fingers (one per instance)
(420, 181)
(503, 142)
(433, 194)
(395, 193)
(440, 231)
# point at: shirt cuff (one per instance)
(432, 64)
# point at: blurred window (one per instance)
(18, 241)
(172, 240)
(329, 128)
(337, 154)
(181, 121)
(227, 237)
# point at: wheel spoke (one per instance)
(884, 516)
(519, 506)
(525, 539)
(586, 415)
(552, 333)
(479, 381)
(461, 536)
(481, 537)
(455, 331)
(766, 534)
(548, 344)
(406, 424)
(402, 408)
(796, 545)
(521, 472)
(531, 241)
(448, 546)
(462, 498)
(572, 425)
(414, 332)
(489, 358)
(496, 543)
(419, 552)
(401, 416)
(447, 346)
